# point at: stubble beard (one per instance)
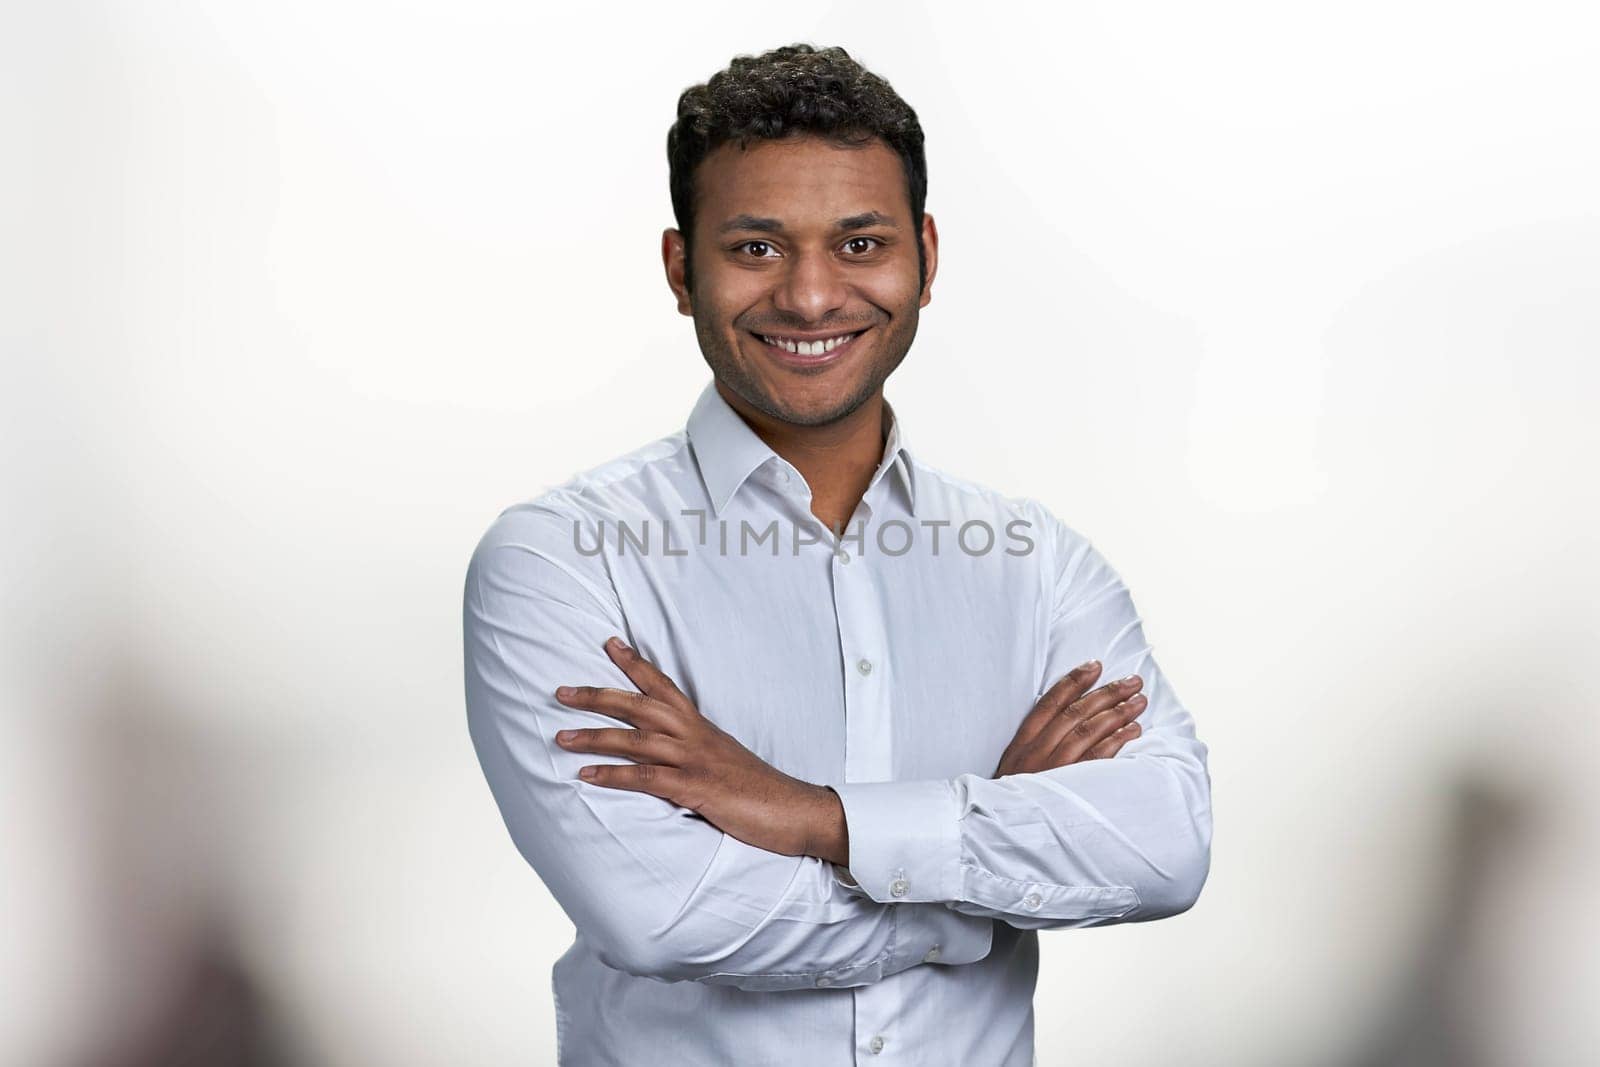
(730, 368)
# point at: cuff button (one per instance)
(897, 888)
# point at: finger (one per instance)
(1106, 696)
(650, 679)
(650, 778)
(1112, 744)
(636, 709)
(1084, 733)
(1067, 688)
(641, 746)
(1075, 716)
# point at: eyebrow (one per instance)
(762, 224)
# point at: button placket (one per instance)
(868, 756)
(869, 747)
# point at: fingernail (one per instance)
(586, 772)
(563, 691)
(1130, 679)
(563, 735)
(1091, 665)
(617, 643)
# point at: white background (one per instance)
(1291, 309)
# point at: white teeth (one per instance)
(808, 348)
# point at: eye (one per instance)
(875, 243)
(763, 245)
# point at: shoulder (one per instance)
(942, 495)
(624, 487)
(550, 530)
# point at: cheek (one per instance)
(894, 285)
(723, 299)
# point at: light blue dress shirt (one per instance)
(893, 664)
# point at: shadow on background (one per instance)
(212, 1015)
(179, 989)
(1436, 1018)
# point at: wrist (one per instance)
(829, 835)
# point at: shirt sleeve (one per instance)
(658, 890)
(1125, 839)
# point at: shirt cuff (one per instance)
(905, 839)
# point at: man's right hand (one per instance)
(1070, 724)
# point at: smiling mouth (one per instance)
(819, 350)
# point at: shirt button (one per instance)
(842, 556)
(897, 888)
(931, 955)
(824, 980)
(783, 476)
(1031, 901)
(876, 1044)
(864, 666)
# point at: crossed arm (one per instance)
(724, 892)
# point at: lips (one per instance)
(805, 356)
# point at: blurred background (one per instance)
(1293, 310)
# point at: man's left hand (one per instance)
(681, 756)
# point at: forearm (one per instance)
(1104, 841)
(697, 905)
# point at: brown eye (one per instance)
(757, 244)
(858, 240)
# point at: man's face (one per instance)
(803, 239)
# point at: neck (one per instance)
(837, 460)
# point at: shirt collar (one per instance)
(728, 450)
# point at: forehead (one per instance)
(800, 181)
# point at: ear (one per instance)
(672, 257)
(930, 247)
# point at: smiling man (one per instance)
(804, 735)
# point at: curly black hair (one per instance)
(796, 89)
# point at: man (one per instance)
(852, 756)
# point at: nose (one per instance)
(811, 287)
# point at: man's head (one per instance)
(798, 180)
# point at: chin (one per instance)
(817, 410)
